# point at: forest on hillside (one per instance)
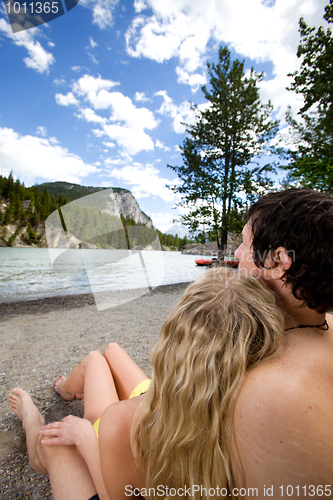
(27, 208)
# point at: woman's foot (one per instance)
(32, 422)
(24, 408)
(60, 389)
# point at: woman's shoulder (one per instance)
(121, 413)
(116, 422)
(117, 462)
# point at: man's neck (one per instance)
(295, 312)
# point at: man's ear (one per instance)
(279, 262)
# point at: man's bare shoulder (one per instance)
(274, 389)
(298, 382)
(283, 424)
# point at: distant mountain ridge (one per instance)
(178, 229)
(73, 191)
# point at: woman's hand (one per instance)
(70, 431)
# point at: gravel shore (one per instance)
(42, 339)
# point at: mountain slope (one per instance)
(72, 191)
(121, 200)
(178, 229)
(24, 211)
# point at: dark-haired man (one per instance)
(284, 414)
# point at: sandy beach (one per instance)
(45, 338)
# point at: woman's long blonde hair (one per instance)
(225, 323)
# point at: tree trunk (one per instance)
(224, 239)
(222, 247)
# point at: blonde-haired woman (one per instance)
(177, 439)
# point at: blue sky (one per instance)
(97, 96)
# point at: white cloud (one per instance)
(39, 59)
(59, 81)
(180, 114)
(89, 115)
(160, 145)
(32, 157)
(41, 131)
(126, 124)
(275, 90)
(141, 97)
(93, 44)
(66, 100)
(115, 161)
(173, 33)
(131, 140)
(139, 5)
(93, 58)
(287, 139)
(154, 40)
(102, 11)
(124, 110)
(88, 86)
(195, 80)
(184, 29)
(144, 181)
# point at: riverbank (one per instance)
(41, 339)
(234, 240)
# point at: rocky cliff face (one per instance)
(124, 203)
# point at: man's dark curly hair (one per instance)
(301, 221)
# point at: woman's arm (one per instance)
(79, 432)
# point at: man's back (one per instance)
(284, 420)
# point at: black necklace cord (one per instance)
(324, 326)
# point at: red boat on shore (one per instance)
(208, 262)
(232, 263)
(204, 262)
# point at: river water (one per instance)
(31, 273)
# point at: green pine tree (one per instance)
(219, 151)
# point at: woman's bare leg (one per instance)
(125, 372)
(65, 466)
(93, 378)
